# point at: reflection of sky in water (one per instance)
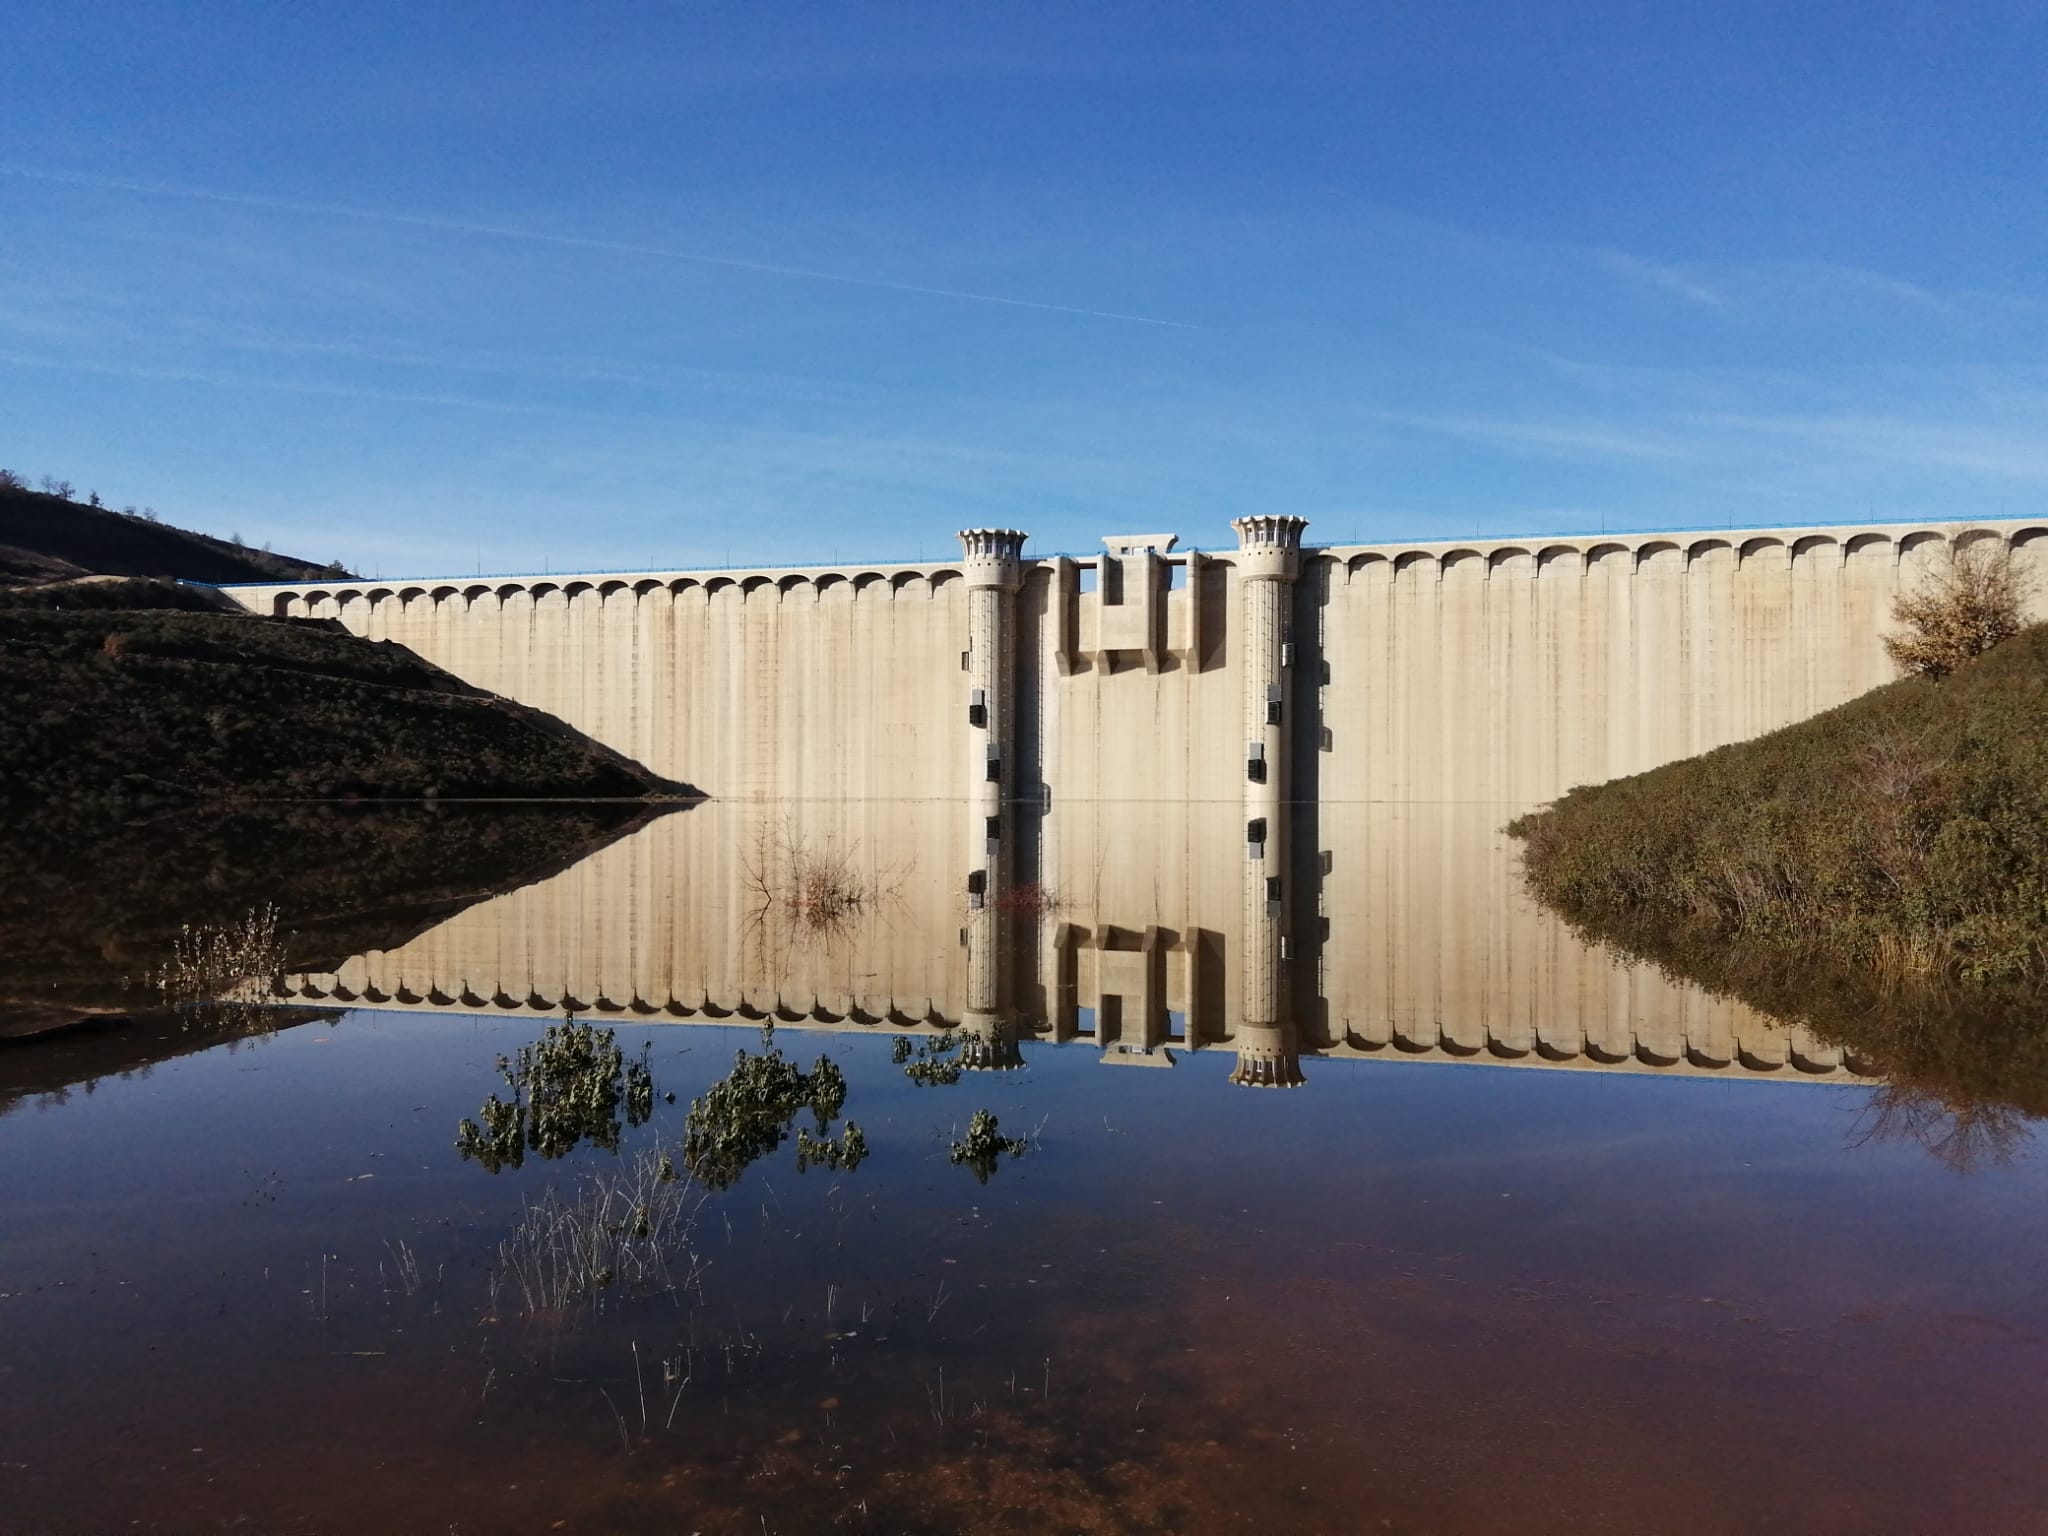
(1674, 1285)
(1637, 1250)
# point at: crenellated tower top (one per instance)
(1266, 1057)
(994, 557)
(1269, 546)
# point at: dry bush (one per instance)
(819, 890)
(1031, 898)
(1965, 605)
(211, 967)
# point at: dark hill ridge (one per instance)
(122, 685)
(48, 538)
(104, 708)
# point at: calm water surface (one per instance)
(1415, 1294)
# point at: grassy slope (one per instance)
(1906, 831)
(101, 708)
(45, 538)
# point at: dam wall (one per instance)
(1502, 671)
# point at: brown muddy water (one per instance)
(1537, 1244)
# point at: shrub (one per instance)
(1970, 602)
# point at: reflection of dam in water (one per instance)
(1363, 931)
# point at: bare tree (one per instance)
(1965, 605)
(10, 481)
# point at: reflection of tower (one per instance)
(989, 1045)
(1267, 1056)
(1269, 556)
(993, 560)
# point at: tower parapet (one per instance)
(989, 1045)
(1269, 547)
(993, 557)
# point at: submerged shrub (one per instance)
(928, 1063)
(824, 1152)
(984, 1146)
(624, 1232)
(746, 1114)
(567, 1087)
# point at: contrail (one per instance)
(578, 242)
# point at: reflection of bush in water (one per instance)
(211, 960)
(1965, 1068)
(983, 1146)
(566, 1087)
(626, 1232)
(746, 1114)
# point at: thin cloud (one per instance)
(301, 387)
(1667, 278)
(1570, 439)
(575, 242)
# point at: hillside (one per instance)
(45, 537)
(1905, 833)
(110, 708)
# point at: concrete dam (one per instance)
(1148, 798)
(1503, 672)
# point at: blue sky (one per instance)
(429, 288)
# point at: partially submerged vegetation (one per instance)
(220, 975)
(929, 1063)
(1906, 831)
(568, 1087)
(746, 1114)
(624, 1232)
(984, 1146)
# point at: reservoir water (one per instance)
(1429, 1217)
